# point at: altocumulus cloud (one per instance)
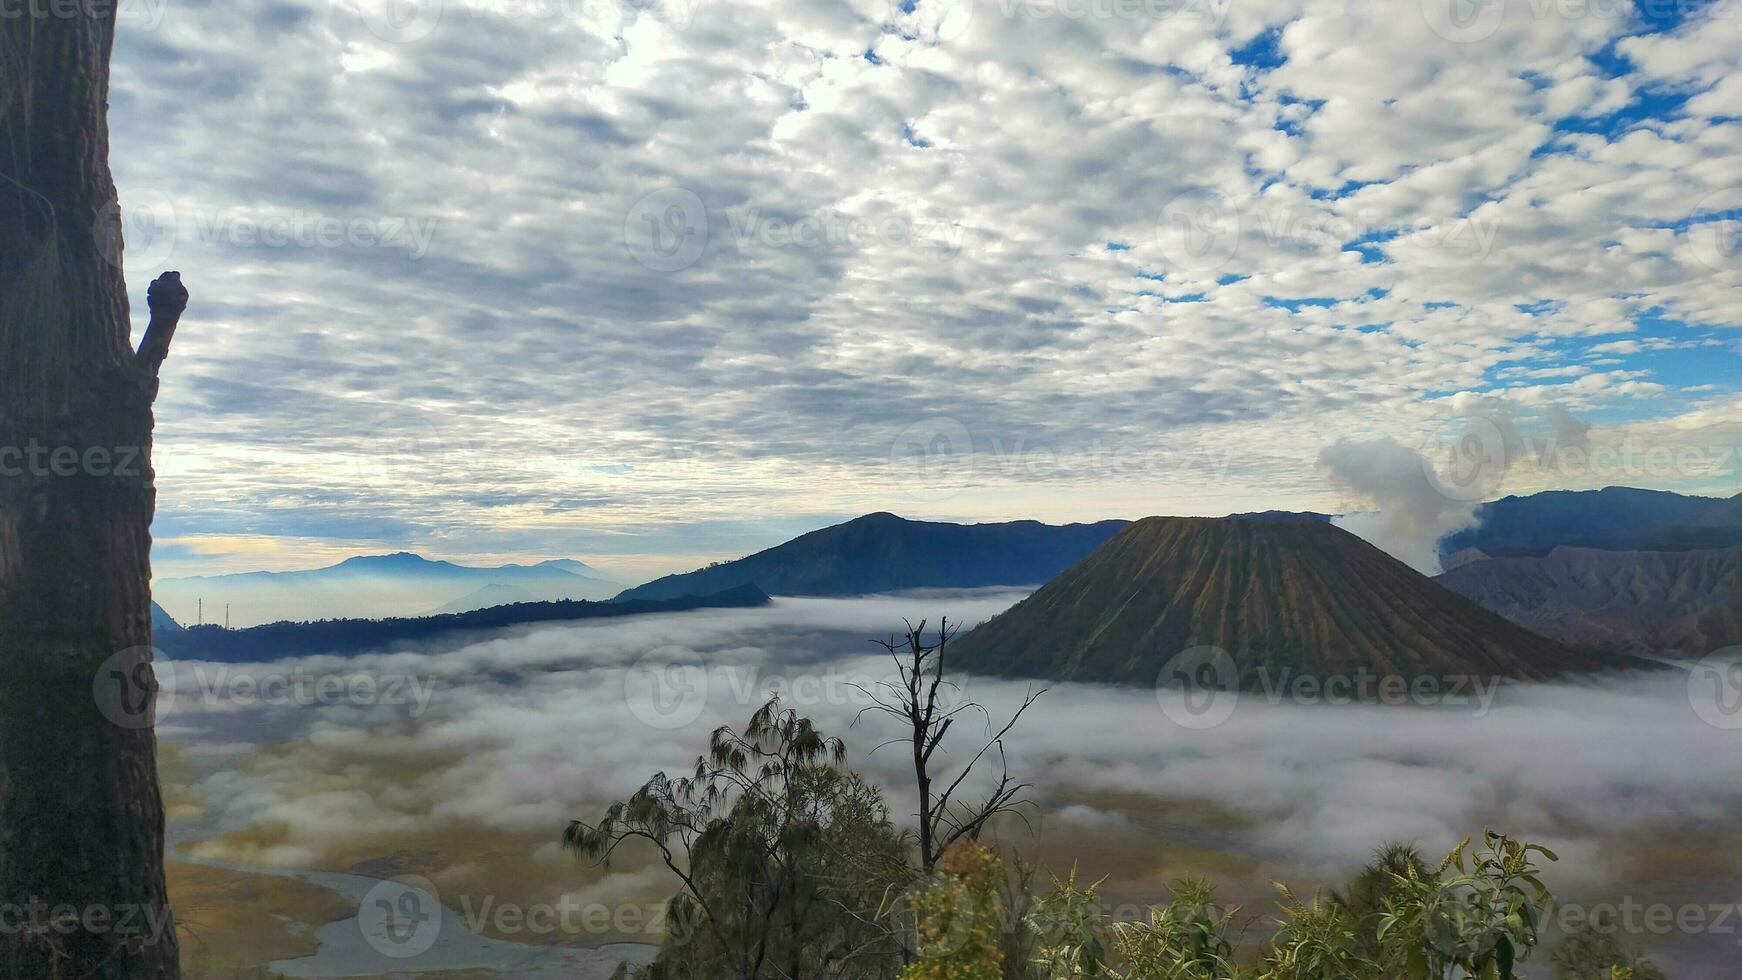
(579, 273)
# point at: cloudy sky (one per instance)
(680, 278)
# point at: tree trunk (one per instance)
(81, 819)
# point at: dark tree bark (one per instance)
(81, 819)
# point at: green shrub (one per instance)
(957, 918)
(1592, 954)
(1186, 939)
(1320, 940)
(1479, 922)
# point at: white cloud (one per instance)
(530, 730)
(930, 239)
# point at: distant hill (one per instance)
(1611, 519)
(490, 595)
(1680, 602)
(275, 641)
(161, 621)
(1283, 598)
(402, 584)
(883, 552)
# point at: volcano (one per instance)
(1282, 598)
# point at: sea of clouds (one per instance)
(524, 730)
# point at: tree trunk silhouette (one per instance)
(926, 703)
(81, 819)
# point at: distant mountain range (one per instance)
(1686, 603)
(1611, 519)
(401, 584)
(884, 553)
(276, 641)
(494, 594)
(1282, 597)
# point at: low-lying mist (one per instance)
(519, 733)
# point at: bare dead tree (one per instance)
(926, 704)
(81, 817)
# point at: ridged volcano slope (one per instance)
(1284, 598)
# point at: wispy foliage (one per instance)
(787, 861)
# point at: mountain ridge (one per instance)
(1614, 518)
(883, 552)
(273, 641)
(1686, 603)
(401, 583)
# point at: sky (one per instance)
(655, 282)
